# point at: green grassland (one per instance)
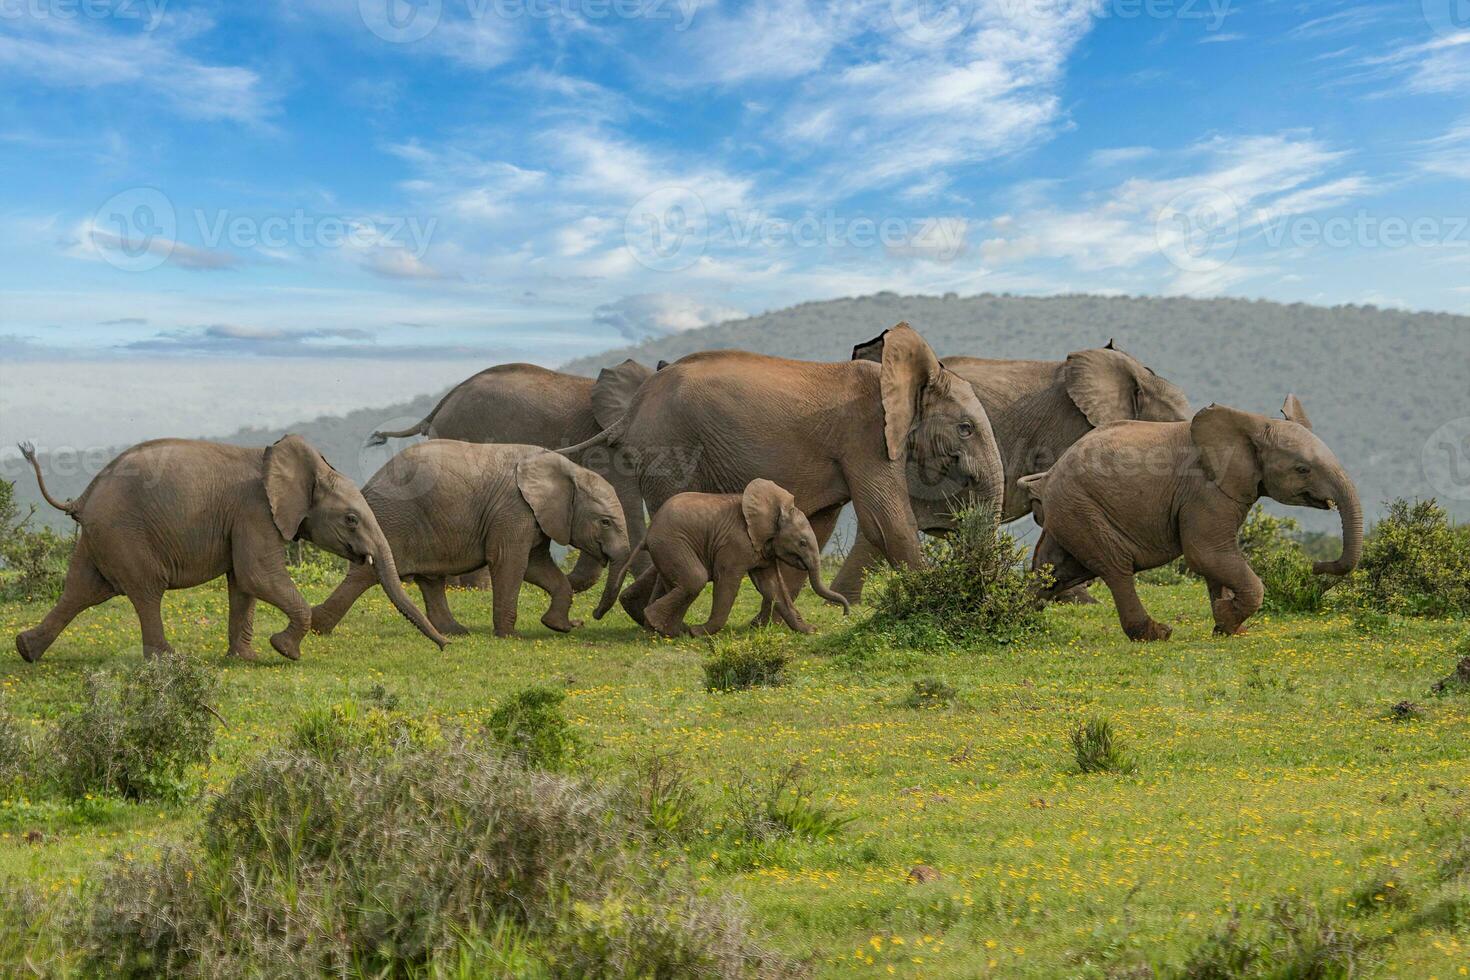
(1268, 766)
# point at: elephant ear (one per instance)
(1293, 411)
(907, 367)
(1226, 439)
(1102, 384)
(548, 481)
(1034, 486)
(291, 470)
(762, 504)
(614, 390)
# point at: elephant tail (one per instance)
(1034, 486)
(609, 436)
(67, 507)
(383, 435)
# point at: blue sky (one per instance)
(454, 182)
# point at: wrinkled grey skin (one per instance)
(827, 432)
(450, 507)
(529, 405)
(1137, 495)
(176, 513)
(698, 538)
(1037, 409)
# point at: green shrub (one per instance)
(782, 803)
(1296, 942)
(1415, 563)
(736, 662)
(424, 863)
(137, 735)
(1096, 750)
(661, 791)
(329, 731)
(17, 764)
(1380, 895)
(35, 560)
(930, 692)
(1273, 547)
(974, 586)
(529, 724)
(310, 565)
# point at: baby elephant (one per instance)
(696, 537)
(176, 513)
(451, 507)
(1135, 495)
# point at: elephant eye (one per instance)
(351, 519)
(1302, 468)
(605, 521)
(966, 430)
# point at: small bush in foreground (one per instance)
(759, 658)
(35, 558)
(930, 692)
(1272, 546)
(782, 803)
(138, 734)
(1415, 563)
(661, 790)
(974, 586)
(348, 726)
(529, 724)
(1297, 942)
(15, 751)
(421, 863)
(1095, 749)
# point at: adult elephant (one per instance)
(829, 433)
(1037, 410)
(534, 406)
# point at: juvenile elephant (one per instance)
(451, 507)
(530, 405)
(1136, 495)
(827, 432)
(176, 513)
(698, 537)
(1037, 409)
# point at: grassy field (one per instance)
(1270, 766)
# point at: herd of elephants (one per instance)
(743, 461)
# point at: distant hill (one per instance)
(1376, 382)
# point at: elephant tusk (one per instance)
(1331, 504)
(369, 560)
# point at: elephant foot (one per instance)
(510, 634)
(321, 623)
(635, 612)
(703, 630)
(30, 651)
(1149, 632)
(1226, 630)
(287, 645)
(804, 628)
(560, 624)
(1076, 596)
(452, 628)
(245, 653)
(760, 619)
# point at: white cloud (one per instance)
(1437, 67)
(1448, 155)
(1115, 156)
(645, 315)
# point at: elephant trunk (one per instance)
(615, 574)
(393, 587)
(814, 576)
(1352, 531)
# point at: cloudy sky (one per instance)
(431, 185)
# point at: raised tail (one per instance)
(67, 507)
(615, 578)
(607, 437)
(383, 435)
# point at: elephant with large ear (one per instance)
(1137, 495)
(176, 513)
(1036, 409)
(697, 538)
(829, 433)
(530, 405)
(450, 507)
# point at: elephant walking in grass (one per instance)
(829, 433)
(530, 405)
(176, 513)
(697, 538)
(451, 507)
(1136, 495)
(1037, 409)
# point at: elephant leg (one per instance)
(684, 582)
(772, 587)
(325, 617)
(85, 587)
(636, 597)
(242, 620)
(854, 570)
(542, 572)
(1235, 591)
(823, 523)
(507, 572)
(585, 573)
(261, 572)
(437, 606)
(478, 579)
(1134, 617)
(149, 607)
(727, 587)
